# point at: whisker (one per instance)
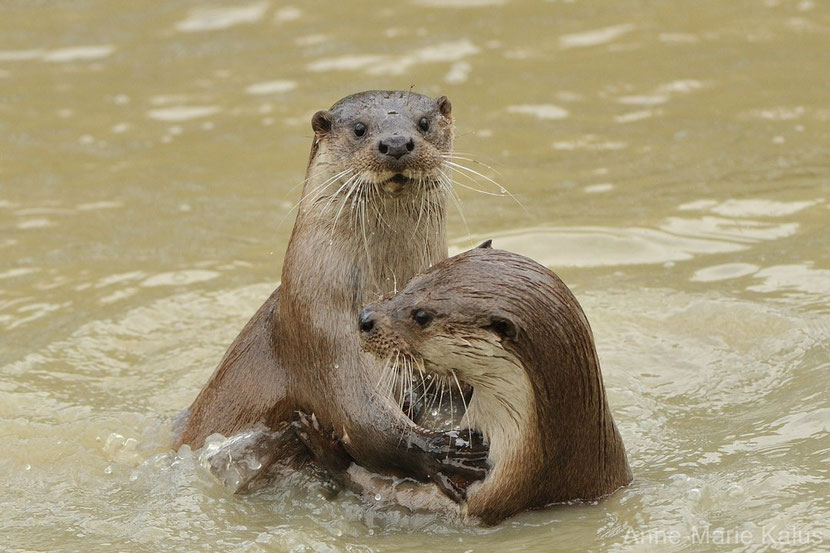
(354, 183)
(446, 182)
(455, 155)
(336, 193)
(501, 188)
(318, 189)
(485, 192)
(362, 215)
(464, 401)
(441, 397)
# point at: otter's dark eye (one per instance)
(504, 328)
(360, 129)
(421, 317)
(423, 124)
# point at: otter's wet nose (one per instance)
(396, 146)
(366, 321)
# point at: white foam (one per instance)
(601, 246)
(542, 111)
(179, 278)
(212, 19)
(725, 271)
(459, 3)
(182, 113)
(76, 53)
(755, 207)
(595, 36)
(380, 64)
(271, 87)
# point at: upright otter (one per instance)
(372, 215)
(510, 329)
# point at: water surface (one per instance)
(670, 162)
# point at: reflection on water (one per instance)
(669, 160)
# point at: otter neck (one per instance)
(506, 416)
(564, 437)
(591, 460)
(347, 251)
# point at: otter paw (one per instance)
(325, 448)
(460, 454)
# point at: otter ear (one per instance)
(321, 122)
(487, 244)
(444, 106)
(504, 328)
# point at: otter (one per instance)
(371, 216)
(511, 330)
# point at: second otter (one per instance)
(511, 330)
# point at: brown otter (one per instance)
(372, 215)
(510, 329)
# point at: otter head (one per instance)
(388, 143)
(510, 329)
(466, 321)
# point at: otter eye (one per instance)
(504, 328)
(360, 129)
(423, 124)
(421, 317)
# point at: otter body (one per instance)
(370, 218)
(511, 330)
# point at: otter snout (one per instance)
(395, 146)
(367, 321)
(376, 334)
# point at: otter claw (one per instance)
(452, 489)
(324, 447)
(455, 463)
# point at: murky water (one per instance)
(671, 162)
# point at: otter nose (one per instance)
(366, 321)
(396, 146)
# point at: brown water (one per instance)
(673, 164)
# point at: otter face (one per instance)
(440, 334)
(458, 315)
(387, 142)
(459, 323)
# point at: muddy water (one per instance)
(669, 160)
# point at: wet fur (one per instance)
(356, 238)
(511, 329)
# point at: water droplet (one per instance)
(693, 494)
(108, 470)
(434, 412)
(27, 467)
(336, 366)
(338, 533)
(502, 190)
(377, 497)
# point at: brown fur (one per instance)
(353, 241)
(512, 330)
